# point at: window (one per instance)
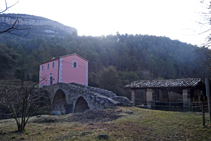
(42, 67)
(74, 64)
(53, 65)
(48, 66)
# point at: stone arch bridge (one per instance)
(67, 98)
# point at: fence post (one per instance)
(202, 100)
(133, 97)
(192, 107)
(207, 83)
(169, 105)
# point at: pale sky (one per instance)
(176, 19)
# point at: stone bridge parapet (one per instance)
(67, 98)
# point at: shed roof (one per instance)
(167, 83)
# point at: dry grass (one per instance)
(143, 124)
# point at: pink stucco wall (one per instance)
(46, 72)
(74, 74)
(64, 70)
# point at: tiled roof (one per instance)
(185, 82)
(63, 56)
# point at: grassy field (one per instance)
(133, 124)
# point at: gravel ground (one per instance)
(91, 116)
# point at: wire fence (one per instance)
(172, 106)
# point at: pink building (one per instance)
(66, 69)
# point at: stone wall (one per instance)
(96, 98)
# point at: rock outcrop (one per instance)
(47, 26)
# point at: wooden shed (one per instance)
(176, 92)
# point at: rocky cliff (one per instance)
(37, 24)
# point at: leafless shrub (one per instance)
(23, 102)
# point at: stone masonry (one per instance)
(67, 98)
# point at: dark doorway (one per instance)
(58, 104)
(81, 105)
(51, 80)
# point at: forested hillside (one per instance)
(114, 60)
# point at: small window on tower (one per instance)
(48, 66)
(53, 65)
(42, 67)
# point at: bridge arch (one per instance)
(81, 105)
(59, 103)
(67, 98)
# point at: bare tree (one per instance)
(15, 26)
(205, 22)
(7, 7)
(23, 101)
(204, 59)
(204, 53)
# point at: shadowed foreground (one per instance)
(123, 123)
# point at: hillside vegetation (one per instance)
(114, 60)
(121, 124)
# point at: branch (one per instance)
(2, 11)
(23, 102)
(204, 31)
(14, 27)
